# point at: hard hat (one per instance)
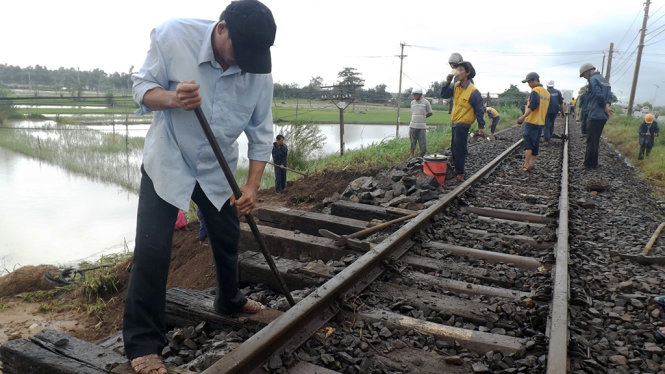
(417, 90)
(648, 118)
(550, 84)
(586, 67)
(455, 59)
(531, 76)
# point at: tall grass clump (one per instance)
(106, 157)
(305, 142)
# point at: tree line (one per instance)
(69, 80)
(349, 84)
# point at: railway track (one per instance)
(475, 282)
(482, 269)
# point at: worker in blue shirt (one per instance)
(555, 107)
(467, 108)
(597, 103)
(223, 67)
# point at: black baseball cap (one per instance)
(531, 76)
(252, 31)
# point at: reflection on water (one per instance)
(51, 216)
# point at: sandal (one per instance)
(661, 332)
(148, 364)
(252, 307)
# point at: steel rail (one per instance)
(257, 349)
(557, 356)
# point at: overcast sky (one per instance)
(503, 39)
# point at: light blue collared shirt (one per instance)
(176, 153)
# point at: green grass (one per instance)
(621, 131)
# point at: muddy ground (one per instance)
(191, 267)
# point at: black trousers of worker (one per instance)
(143, 320)
(280, 179)
(459, 146)
(594, 130)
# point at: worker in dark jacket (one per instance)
(468, 108)
(648, 131)
(598, 106)
(555, 107)
(279, 154)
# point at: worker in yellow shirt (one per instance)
(534, 115)
(493, 116)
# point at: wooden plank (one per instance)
(522, 262)
(253, 269)
(22, 356)
(190, 307)
(506, 214)
(509, 222)
(411, 360)
(285, 243)
(465, 287)
(526, 190)
(307, 222)
(481, 342)
(71, 347)
(517, 238)
(344, 208)
(430, 264)
(303, 367)
(447, 305)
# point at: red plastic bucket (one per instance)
(436, 166)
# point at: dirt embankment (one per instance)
(191, 267)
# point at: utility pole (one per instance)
(609, 62)
(631, 101)
(602, 67)
(341, 105)
(399, 89)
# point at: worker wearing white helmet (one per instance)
(420, 110)
(598, 111)
(556, 107)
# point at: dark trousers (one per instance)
(460, 138)
(594, 130)
(549, 126)
(495, 121)
(143, 320)
(280, 179)
(584, 123)
(646, 145)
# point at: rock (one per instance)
(359, 183)
(397, 176)
(327, 359)
(398, 189)
(409, 181)
(385, 333)
(618, 360)
(189, 343)
(623, 286)
(454, 360)
(275, 362)
(479, 367)
(636, 303)
(427, 195)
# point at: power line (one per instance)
(629, 27)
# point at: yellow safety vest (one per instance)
(462, 110)
(537, 117)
